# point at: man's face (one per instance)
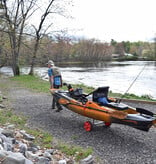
(49, 65)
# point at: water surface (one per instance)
(119, 76)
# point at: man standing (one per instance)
(54, 74)
(55, 80)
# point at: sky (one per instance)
(121, 20)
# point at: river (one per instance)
(140, 76)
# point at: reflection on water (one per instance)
(118, 75)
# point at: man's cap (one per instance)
(50, 62)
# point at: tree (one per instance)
(155, 46)
(39, 35)
(16, 13)
(16, 16)
(92, 50)
(40, 31)
(126, 46)
(3, 55)
(113, 42)
(119, 49)
(4, 49)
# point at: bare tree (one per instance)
(54, 7)
(16, 13)
(39, 34)
(15, 16)
(93, 50)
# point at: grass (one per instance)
(39, 85)
(79, 151)
(6, 116)
(42, 138)
(32, 82)
(131, 96)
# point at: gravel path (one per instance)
(118, 144)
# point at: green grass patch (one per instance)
(32, 82)
(131, 96)
(43, 139)
(40, 85)
(76, 151)
(6, 116)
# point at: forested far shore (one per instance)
(65, 50)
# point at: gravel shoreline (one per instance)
(114, 145)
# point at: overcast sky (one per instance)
(121, 20)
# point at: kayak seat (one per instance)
(78, 95)
(100, 95)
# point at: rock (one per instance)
(43, 160)
(13, 158)
(18, 135)
(8, 133)
(88, 160)
(23, 148)
(62, 161)
(51, 151)
(1, 147)
(1, 130)
(27, 161)
(8, 146)
(3, 137)
(2, 106)
(3, 154)
(33, 149)
(1, 141)
(11, 126)
(31, 156)
(4, 97)
(27, 136)
(70, 161)
(17, 147)
(47, 155)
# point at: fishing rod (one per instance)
(132, 84)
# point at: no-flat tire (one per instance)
(88, 126)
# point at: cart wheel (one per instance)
(88, 126)
(107, 124)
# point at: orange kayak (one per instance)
(112, 112)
